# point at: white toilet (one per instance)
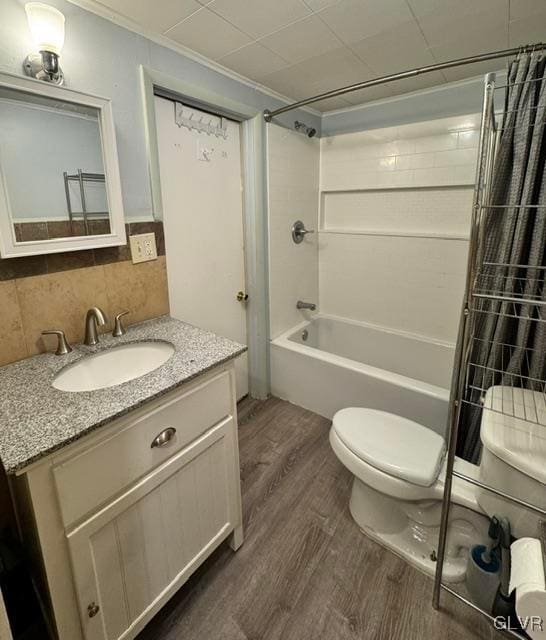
(398, 487)
(399, 469)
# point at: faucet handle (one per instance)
(63, 347)
(119, 329)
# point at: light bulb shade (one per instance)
(46, 26)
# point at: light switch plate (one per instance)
(143, 247)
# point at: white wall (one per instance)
(395, 211)
(408, 284)
(293, 183)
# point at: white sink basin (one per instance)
(113, 366)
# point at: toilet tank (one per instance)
(513, 434)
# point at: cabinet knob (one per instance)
(164, 437)
(242, 296)
(93, 609)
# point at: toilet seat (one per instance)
(389, 453)
(400, 504)
(378, 480)
(393, 445)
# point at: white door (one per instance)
(201, 187)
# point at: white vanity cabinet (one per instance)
(118, 525)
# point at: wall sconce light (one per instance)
(46, 26)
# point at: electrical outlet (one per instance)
(143, 247)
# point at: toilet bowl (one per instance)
(399, 472)
(396, 498)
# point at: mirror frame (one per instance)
(9, 247)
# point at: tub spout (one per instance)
(300, 304)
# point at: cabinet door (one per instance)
(135, 553)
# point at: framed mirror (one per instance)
(59, 176)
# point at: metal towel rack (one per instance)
(498, 289)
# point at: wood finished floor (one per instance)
(305, 571)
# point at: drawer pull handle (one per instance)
(164, 437)
(93, 609)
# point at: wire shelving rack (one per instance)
(494, 291)
(82, 178)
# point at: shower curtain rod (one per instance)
(269, 115)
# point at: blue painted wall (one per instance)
(455, 99)
(102, 58)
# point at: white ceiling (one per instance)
(301, 48)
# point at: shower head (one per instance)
(303, 128)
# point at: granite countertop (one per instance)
(36, 419)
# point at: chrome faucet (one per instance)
(300, 304)
(94, 317)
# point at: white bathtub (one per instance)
(350, 364)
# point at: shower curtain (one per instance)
(509, 347)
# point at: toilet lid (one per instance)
(395, 445)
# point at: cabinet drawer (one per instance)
(87, 480)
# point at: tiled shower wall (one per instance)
(55, 291)
(395, 214)
(293, 179)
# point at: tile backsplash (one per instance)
(48, 230)
(27, 266)
(55, 291)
